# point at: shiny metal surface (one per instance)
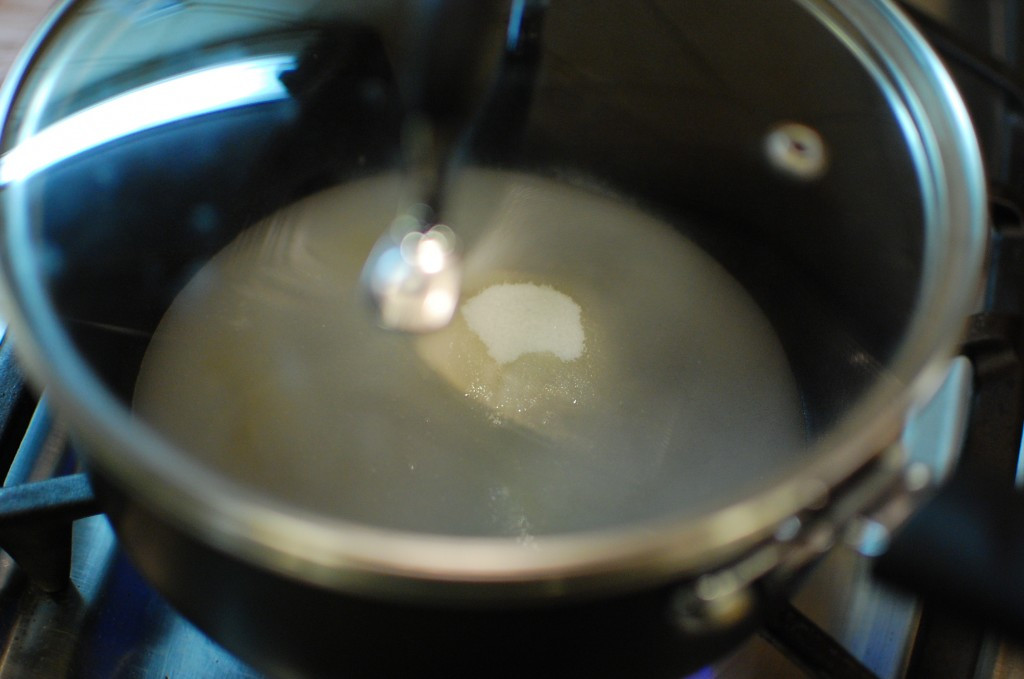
(413, 275)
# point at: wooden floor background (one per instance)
(17, 20)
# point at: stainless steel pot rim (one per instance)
(341, 555)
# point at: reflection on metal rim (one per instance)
(206, 90)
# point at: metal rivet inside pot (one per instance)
(796, 150)
(789, 529)
(714, 603)
(868, 536)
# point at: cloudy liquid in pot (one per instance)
(649, 382)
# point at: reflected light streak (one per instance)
(440, 304)
(184, 96)
(435, 249)
(430, 255)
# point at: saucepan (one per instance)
(712, 253)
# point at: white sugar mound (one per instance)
(513, 319)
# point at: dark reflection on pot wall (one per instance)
(209, 90)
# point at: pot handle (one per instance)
(964, 550)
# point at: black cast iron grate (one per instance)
(36, 516)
